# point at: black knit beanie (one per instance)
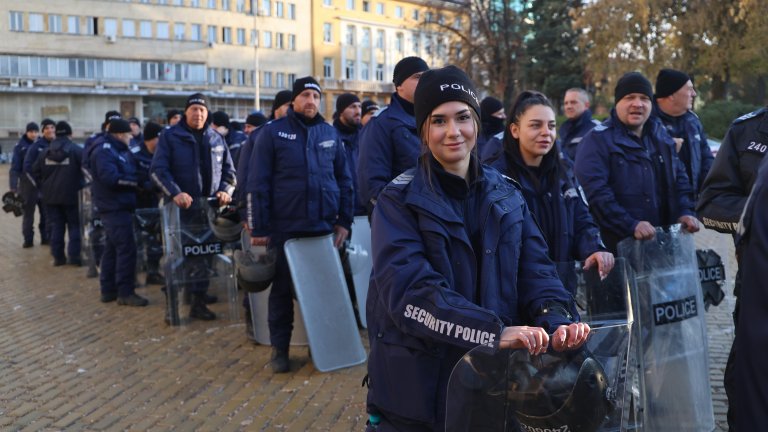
(632, 82)
(196, 99)
(344, 100)
(407, 67)
(668, 81)
(488, 106)
(63, 129)
(305, 83)
(152, 130)
(438, 86)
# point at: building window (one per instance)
(279, 41)
(415, 14)
(178, 31)
(267, 39)
(195, 32)
(291, 79)
(162, 30)
(226, 76)
(36, 22)
(91, 26)
(457, 23)
(212, 76)
(226, 35)
(327, 2)
(211, 34)
(162, 2)
(241, 36)
(241, 77)
(240, 8)
(291, 11)
(380, 8)
(211, 5)
(254, 37)
(349, 70)
(428, 17)
(194, 3)
(129, 28)
(54, 23)
(399, 42)
(279, 10)
(280, 77)
(379, 72)
(366, 6)
(110, 26)
(350, 39)
(351, 4)
(416, 39)
(399, 11)
(366, 42)
(292, 42)
(145, 29)
(73, 25)
(17, 21)
(327, 32)
(178, 2)
(267, 79)
(225, 6)
(365, 73)
(266, 7)
(327, 67)
(380, 39)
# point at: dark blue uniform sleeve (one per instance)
(587, 233)
(228, 181)
(259, 187)
(375, 164)
(409, 288)
(706, 159)
(104, 166)
(160, 171)
(344, 182)
(683, 188)
(17, 164)
(36, 171)
(723, 194)
(29, 160)
(592, 170)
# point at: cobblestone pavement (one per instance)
(69, 362)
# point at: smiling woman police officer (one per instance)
(457, 261)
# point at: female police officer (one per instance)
(531, 157)
(457, 261)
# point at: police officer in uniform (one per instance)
(114, 194)
(391, 144)
(629, 170)
(148, 197)
(722, 200)
(579, 120)
(458, 261)
(30, 157)
(672, 104)
(20, 184)
(59, 174)
(347, 124)
(492, 117)
(192, 162)
(368, 110)
(298, 186)
(234, 138)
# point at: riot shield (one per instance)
(360, 262)
(91, 232)
(321, 291)
(195, 262)
(672, 326)
(149, 240)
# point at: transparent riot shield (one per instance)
(149, 239)
(672, 326)
(92, 232)
(196, 264)
(321, 291)
(360, 262)
(586, 390)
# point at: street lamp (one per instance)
(256, 78)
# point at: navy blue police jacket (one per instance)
(91, 143)
(235, 140)
(176, 165)
(493, 148)
(734, 171)
(114, 177)
(389, 145)
(298, 179)
(59, 173)
(30, 158)
(243, 168)
(350, 137)
(148, 194)
(433, 297)
(571, 132)
(17, 161)
(695, 152)
(558, 205)
(619, 178)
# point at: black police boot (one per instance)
(75, 261)
(279, 361)
(154, 278)
(132, 300)
(27, 244)
(199, 310)
(57, 262)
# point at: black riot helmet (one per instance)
(225, 223)
(255, 265)
(558, 391)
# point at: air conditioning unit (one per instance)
(30, 83)
(14, 82)
(135, 87)
(111, 38)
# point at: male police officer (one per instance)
(722, 200)
(630, 172)
(347, 124)
(281, 104)
(233, 137)
(148, 197)
(579, 120)
(298, 186)
(59, 174)
(368, 110)
(21, 184)
(391, 143)
(172, 117)
(114, 194)
(672, 105)
(192, 162)
(492, 117)
(32, 193)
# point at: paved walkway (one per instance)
(69, 362)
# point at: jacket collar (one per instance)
(399, 113)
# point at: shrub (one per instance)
(717, 116)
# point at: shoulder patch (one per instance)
(135, 149)
(599, 128)
(403, 179)
(106, 145)
(596, 122)
(499, 136)
(380, 110)
(511, 181)
(748, 116)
